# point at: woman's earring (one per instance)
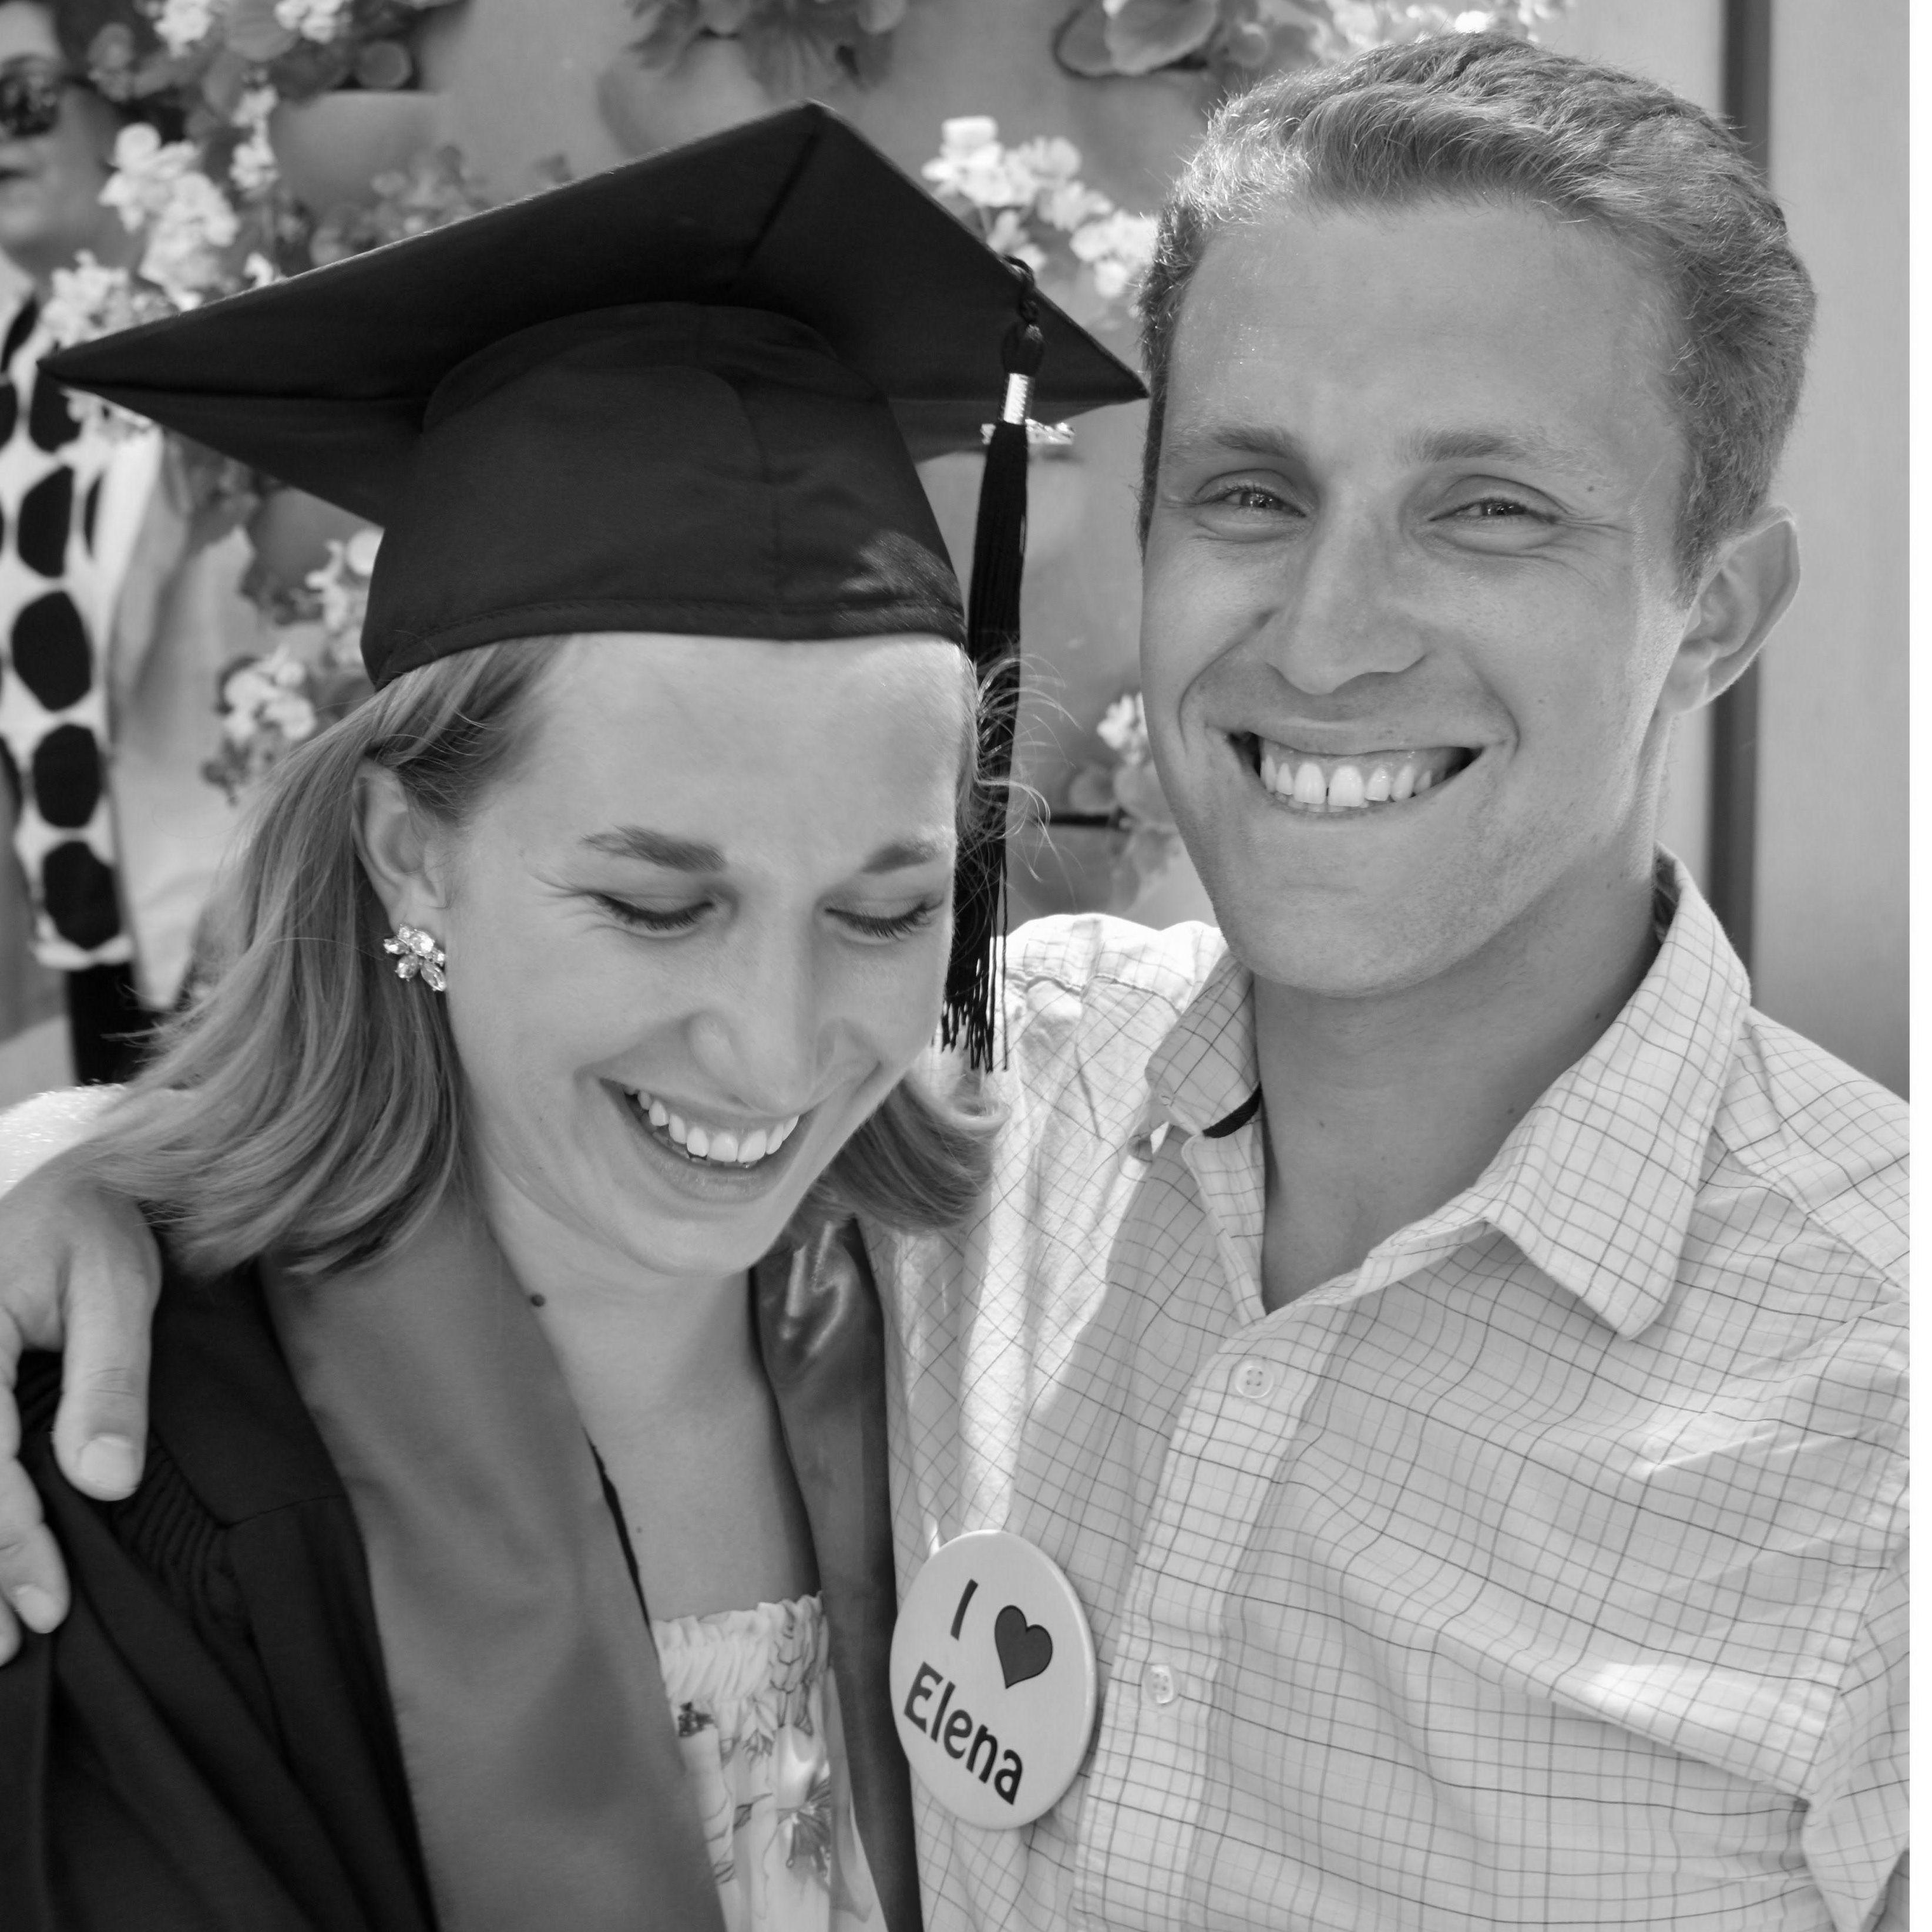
(415, 952)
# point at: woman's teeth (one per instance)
(719, 1145)
(1355, 783)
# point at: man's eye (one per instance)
(648, 919)
(1246, 496)
(895, 925)
(1498, 509)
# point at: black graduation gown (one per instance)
(206, 1744)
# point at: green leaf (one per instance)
(1146, 35)
(1081, 44)
(251, 30)
(383, 64)
(222, 85)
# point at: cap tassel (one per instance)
(976, 969)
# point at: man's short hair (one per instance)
(1477, 116)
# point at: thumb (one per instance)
(100, 1430)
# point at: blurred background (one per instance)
(235, 139)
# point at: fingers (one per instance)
(112, 1282)
(33, 1580)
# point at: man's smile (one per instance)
(1330, 784)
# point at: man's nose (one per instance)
(1341, 614)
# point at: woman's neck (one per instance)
(665, 1374)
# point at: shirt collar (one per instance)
(1205, 1069)
(1597, 1184)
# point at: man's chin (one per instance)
(1310, 945)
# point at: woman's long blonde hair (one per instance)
(314, 1106)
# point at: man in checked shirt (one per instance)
(1453, 1344)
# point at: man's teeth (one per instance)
(1353, 784)
(717, 1145)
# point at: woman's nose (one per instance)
(761, 1034)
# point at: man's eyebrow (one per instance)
(1465, 445)
(1233, 439)
(657, 848)
(1441, 445)
(689, 855)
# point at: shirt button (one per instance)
(1157, 1683)
(1254, 1379)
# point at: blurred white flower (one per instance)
(184, 24)
(247, 688)
(1049, 159)
(342, 584)
(1005, 188)
(972, 165)
(291, 714)
(252, 168)
(313, 19)
(1123, 730)
(1067, 205)
(1117, 248)
(1009, 236)
(183, 257)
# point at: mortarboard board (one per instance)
(685, 395)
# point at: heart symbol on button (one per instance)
(1025, 1649)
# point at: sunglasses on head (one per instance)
(30, 97)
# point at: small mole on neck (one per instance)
(536, 1301)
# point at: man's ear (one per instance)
(1744, 593)
(404, 869)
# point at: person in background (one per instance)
(1453, 1343)
(119, 598)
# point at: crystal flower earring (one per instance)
(416, 952)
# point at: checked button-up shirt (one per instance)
(1545, 1570)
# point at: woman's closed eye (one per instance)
(887, 926)
(672, 922)
(667, 921)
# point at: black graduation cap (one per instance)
(685, 395)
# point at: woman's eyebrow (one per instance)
(903, 852)
(687, 855)
(657, 848)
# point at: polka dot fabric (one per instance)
(53, 688)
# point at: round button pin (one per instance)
(993, 1678)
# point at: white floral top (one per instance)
(757, 1719)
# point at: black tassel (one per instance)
(976, 971)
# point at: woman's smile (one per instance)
(700, 1161)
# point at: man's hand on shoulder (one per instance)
(82, 1274)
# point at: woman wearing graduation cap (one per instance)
(493, 1540)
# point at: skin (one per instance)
(50, 206)
(798, 970)
(1417, 487)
